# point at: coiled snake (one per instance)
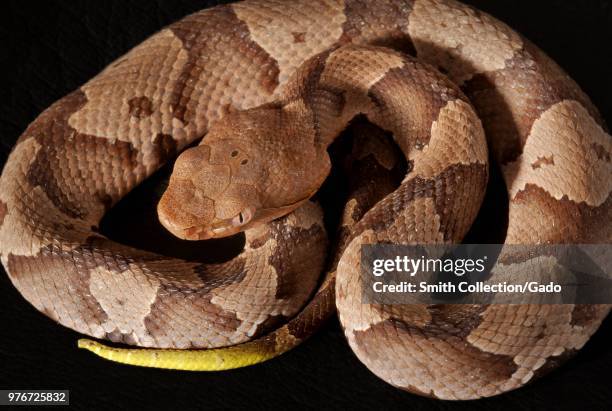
(270, 85)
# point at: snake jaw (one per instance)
(230, 226)
(240, 220)
(197, 234)
(221, 228)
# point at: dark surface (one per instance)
(51, 47)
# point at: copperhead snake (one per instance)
(270, 85)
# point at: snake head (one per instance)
(248, 171)
(205, 199)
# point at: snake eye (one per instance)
(244, 217)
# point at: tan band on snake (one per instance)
(270, 85)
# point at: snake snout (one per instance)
(185, 215)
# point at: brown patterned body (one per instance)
(319, 63)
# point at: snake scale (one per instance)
(270, 84)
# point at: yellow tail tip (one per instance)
(86, 344)
(218, 359)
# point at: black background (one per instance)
(49, 48)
